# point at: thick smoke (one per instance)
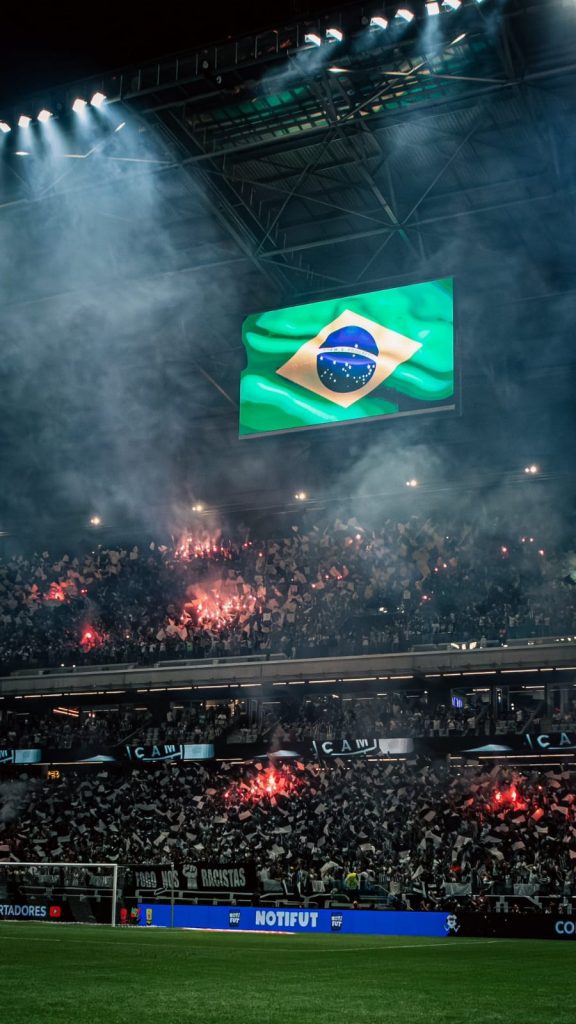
(13, 797)
(102, 334)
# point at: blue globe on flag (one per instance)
(346, 360)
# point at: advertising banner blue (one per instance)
(288, 920)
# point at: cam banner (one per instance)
(377, 354)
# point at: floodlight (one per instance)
(433, 8)
(24, 121)
(458, 39)
(313, 39)
(412, 483)
(78, 105)
(335, 35)
(300, 496)
(98, 99)
(120, 126)
(405, 15)
(379, 22)
(452, 4)
(21, 152)
(4, 128)
(44, 116)
(197, 508)
(95, 521)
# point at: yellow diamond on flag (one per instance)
(348, 358)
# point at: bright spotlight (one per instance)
(4, 128)
(412, 483)
(198, 508)
(405, 15)
(452, 4)
(24, 121)
(21, 152)
(44, 116)
(79, 105)
(379, 22)
(433, 8)
(120, 126)
(531, 470)
(300, 496)
(313, 39)
(335, 35)
(98, 99)
(95, 521)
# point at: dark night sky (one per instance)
(52, 46)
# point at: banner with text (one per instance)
(203, 876)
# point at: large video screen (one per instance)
(378, 354)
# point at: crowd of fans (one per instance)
(335, 588)
(398, 828)
(313, 718)
(195, 723)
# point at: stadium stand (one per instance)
(335, 588)
(411, 832)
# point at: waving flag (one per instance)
(381, 353)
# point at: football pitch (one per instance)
(54, 974)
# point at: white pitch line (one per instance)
(202, 951)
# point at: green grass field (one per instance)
(51, 974)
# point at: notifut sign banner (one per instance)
(377, 354)
(289, 920)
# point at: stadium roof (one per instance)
(295, 170)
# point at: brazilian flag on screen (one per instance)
(376, 354)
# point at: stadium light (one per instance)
(198, 507)
(453, 5)
(532, 469)
(432, 9)
(458, 39)
(313, 39)
(98, 99)
(334, 35)
(44, 116)
(79, 105)
(379, 22)
(24, 121)
(95, 521)
(120, 126)
(412, 483)
(21, 152)
(405, 15)
(4, 127)
(300, 496)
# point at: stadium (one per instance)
(287, 515)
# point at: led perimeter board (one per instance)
(374, 355)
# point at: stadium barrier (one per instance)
(536, 744)
(430, 924)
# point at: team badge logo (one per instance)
(348, 358)
(452, 925)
